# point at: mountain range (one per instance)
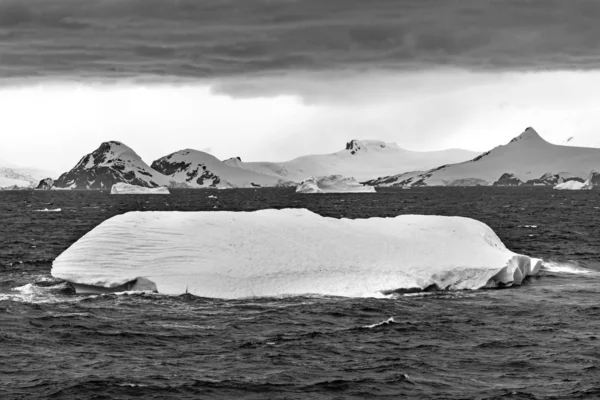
(115, 162)
(527, 159)
(360, 159)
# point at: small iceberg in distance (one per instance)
(125, 188)
(333, 184)
(225, 254)
(572, 185)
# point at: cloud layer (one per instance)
(227, 38)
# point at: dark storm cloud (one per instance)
(224, 38)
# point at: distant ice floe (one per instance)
(125, 188)
(572, 185)
(333, 184)
(223, 254)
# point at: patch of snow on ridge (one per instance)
(333, 184)
(225, 254)
(124, 188)
(198, 169)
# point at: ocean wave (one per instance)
(386, 322)
(32, 293)
(566, 268)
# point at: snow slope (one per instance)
(11, 175)
(111, 163)
(125, 188)
(289, 252)
(197, 169)
(361, 159)
(333, 184)
(6, 182)
(527, 159)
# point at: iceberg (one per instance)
(230, 255)
(573, 185)
(333, 184)
(125, 188)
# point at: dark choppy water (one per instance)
(539, 341)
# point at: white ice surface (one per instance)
(125, 188)
(571, 185)
(333, 184)
(290, 252)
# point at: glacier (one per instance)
(333, 184)
(232, 255)
(125, 188)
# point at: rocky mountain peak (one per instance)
(529, 135)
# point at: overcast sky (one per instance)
(276, 79)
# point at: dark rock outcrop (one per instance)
(594, 179)
(45, 184)
(508, 179)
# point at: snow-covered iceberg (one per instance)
(333, 184)
(125, 188)
(572, 185)
(289, 252)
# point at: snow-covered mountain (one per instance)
(197, 169)
(23, 177)
(111, 163)
(527, 160)
(361, 159)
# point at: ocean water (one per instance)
(537, 341)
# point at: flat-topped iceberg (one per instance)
(289, 252)
(125, 188)
(333, 184)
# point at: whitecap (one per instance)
(565, 268)
(386, 322)
(31, 293)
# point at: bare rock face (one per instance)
(594, 179)
(111, 163)
(45, 184)
(508, 180)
